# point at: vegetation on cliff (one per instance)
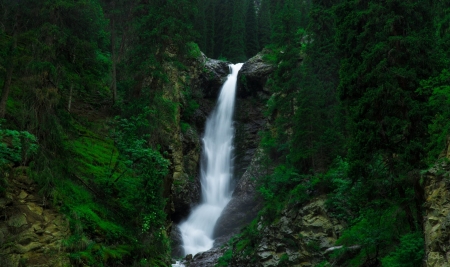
(356, 113)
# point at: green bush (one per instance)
(408, 254)
(16, 147)
(193, 51)
(225, 260)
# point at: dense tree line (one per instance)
(362, 80)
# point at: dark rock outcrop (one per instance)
(212, 77)
(299, 237)
(244, 205)
(206, 259)
(176, 242)
(242, 208)
(186, 187)
(253, 77)
(437, 216)
(205, 78)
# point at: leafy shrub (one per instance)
(16, 147)
(374, 231)
(225, 260)
(284, 260)
(408, 254)
(193, 51)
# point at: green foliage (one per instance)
(372, 84)
(439, 100)
(193, 51)
(251, 30)
(225, 259)
(284, 260)
(408, 254)
(190, 106)
(184, 127)
(264, 24)
(16, 147)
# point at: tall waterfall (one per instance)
(216, 171)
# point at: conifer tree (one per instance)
(234, 46)
(223, 21)
(251, 30)
(210, 12)
(387, 49)
(264, 24)
(200, 24)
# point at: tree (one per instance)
(251, 30)
(264, 24)
(383, 59)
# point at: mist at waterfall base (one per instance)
(216, 171)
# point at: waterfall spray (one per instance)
(216, 170)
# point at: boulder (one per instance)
(208, 258)
(253, 76)
(213, 76)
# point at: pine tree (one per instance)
(251, 30)
(223, 22)
(386, 50)
(318, 129)
(234, 46)
(200, 25)
(210, 28)
(264, 24)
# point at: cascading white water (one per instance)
(216, 171)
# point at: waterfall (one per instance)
(216, 170)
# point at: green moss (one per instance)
(225, 260)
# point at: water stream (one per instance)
(216, 170)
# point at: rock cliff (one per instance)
(200, 83)
(299, 237)
(252, 95)
(32, 233)
(437, 216)
(250, 102)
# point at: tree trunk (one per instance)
(114, 62)
(70, 98)
(406, 208)
(9, 72)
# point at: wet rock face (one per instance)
(437, 216)
(249, 120)
(253, 77)
(176, 242)
(242, 208)
(207, 78)
(186, 185)
(299, 238)
(213, 76)
(31, 233)
(206, 259)
(252, 94)
(204, 78)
